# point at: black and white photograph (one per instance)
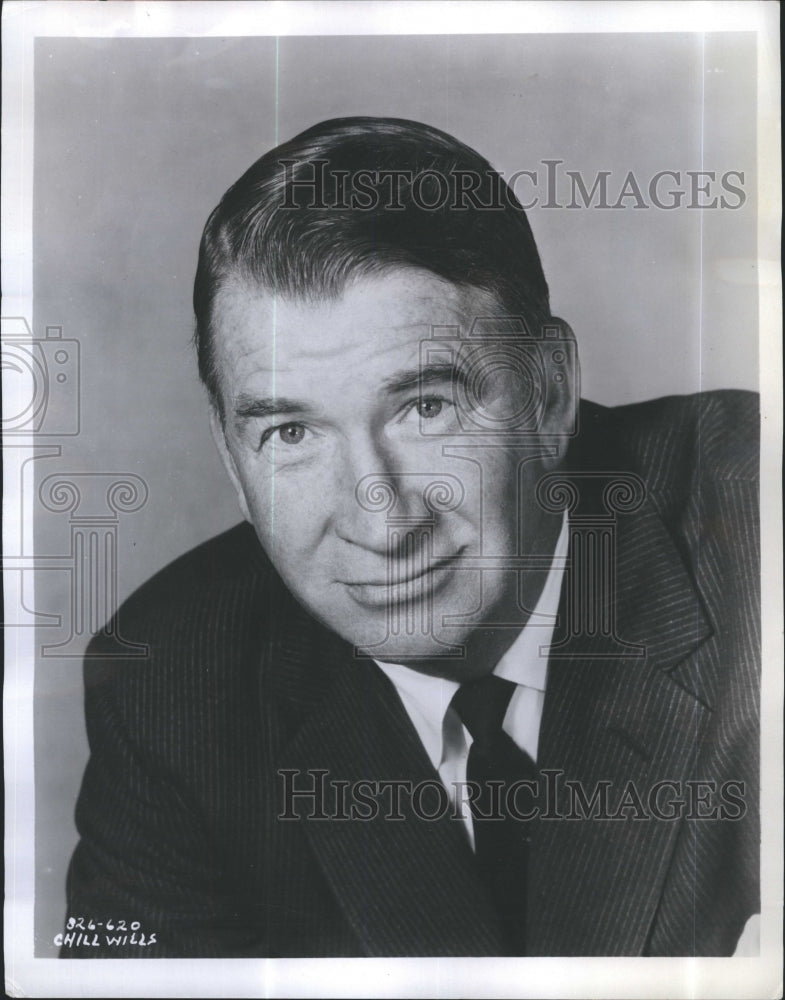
(392, 515)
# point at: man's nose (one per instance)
(374, 489)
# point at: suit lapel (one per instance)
(629, 722)
(406, 885)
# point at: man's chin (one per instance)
(428, 653)
(411, 636)
(393, 650)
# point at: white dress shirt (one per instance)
(427, 699)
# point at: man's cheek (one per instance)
(286, 524)
(268, 496)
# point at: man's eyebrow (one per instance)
(246, 406)
(414, 378)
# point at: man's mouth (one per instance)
(405, 581)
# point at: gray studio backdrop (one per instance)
(136, 140)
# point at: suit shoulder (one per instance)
(711, 436)
(232, 557)
(211, 597)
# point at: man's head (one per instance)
(356, 197)
(383, 418)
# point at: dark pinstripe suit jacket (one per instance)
(179, 805)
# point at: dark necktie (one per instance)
(495, 768)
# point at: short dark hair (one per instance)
(299, 222)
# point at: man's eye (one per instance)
(289, 434)
(429, 407)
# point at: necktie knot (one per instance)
(482, 704)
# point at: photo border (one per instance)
(25, 20)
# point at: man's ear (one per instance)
(560, 418)
(217, 430)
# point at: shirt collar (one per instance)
(526, 661)
(426, 699)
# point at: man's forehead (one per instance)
(403, 300)
(354, 344)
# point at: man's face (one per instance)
(336, 437)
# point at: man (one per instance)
(481, 677)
